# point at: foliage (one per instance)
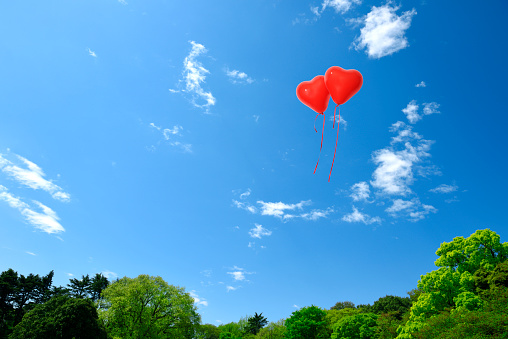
(255, 323)
(362, 325)
(207, 331)
(342, 304)
(147, 307)
(308, 322)
(60, 317)
(19, 294)
(334, 316)
(391, 303)
(87, 287)
(273, 330)
(387, 324)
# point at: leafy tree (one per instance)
(87, 287)
(236, 329)
(387, 324)
(19, 294)
(60, 317)
(358, 326)
(392, 303)
(78, 288)
(226, 335)
(458, 262)
(208, 331)
(308, 322)
(334, 316)
(273, 330)
(255, 323)
(342, 304)
(148, 307)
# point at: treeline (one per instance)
(466, 297)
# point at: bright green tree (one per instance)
(273, 330)
(60, 317)
(458, 262)
(358, 326)
(308, 322)
(342, 304)
(148, 307)
(208, 331)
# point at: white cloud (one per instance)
(444, 188)
(91, 53)
(244, 206)
(357, 216)
(46, 221)
(430, 108)
(400, 205)
(238, 77)
(360, 191)
(70, 274)
(383, 31)
(342, 123)
(31, 253)
(421, 84)
(411, 112)
(231, 288)
(245, 194)
(256, 118)
(32, 176)
(186, 148)
(194, 75)
(238, 274)
(340, 6)
(316, 214)
(277, 209)
(197, 300)
(168, 132)
(259, 231)
(123, 2)
(110, 275)
(422, 213)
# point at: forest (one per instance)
(465, 297)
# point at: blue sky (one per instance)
(165, 138)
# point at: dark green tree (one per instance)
(342, 304)
(207, 331)
(391, 303)
(256, 323)
(79, 288)
(308, 322)
(60, 317)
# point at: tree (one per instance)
(256, 323)
(454, 280)
(148, 307)
(308, 322)
(391, 303)
(342, 304)
(358, 326)
(208, 331)
(60, 317)
(273, 330)
(87, 287)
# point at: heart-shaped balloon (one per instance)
(314, 94)
(342, 84)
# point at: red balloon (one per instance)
(342, 84)
(314, 94)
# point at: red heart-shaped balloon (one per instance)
(342, 84)
(314, 94)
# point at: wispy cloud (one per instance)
(238, 77)
(238, 274)
(357, 216)
(413, 209)
(384, 31)
(46, 219)
(340, 6)
(109, 274)
(91, 53)
(277, 209)
(31, 253)
(245, 194)
(194, 75)
(30, 175)
(123, 2)
(360, 191)
(394, 172)
(444, 188)
(244, 206)
(421, 84)
(169, 134)
(231, 288)
(198, 300)
(411, 112)
(259, 231)
(430, 108)
(317, 214)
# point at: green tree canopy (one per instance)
(274, 330)
(358, 326)
(60, 317)
(342, 304)
(308, 322)
(207, 331)
(391, 303)
(148, 307)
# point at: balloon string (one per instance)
(338, 124)
(322, 133)
(334, 115)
